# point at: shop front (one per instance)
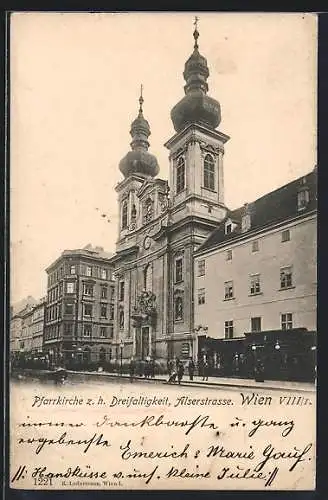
(281, 355)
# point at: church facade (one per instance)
(163, 223)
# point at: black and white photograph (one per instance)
(163, 224)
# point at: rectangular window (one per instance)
(228, 290)
(103, 331)
(180, 175)
(104, 274)
(112, 293)
(286, 277)
(88, 310)
(69, 287)
(121, 291)
(68, 328)
(89, 271)
(209, 167)
(88, 289)
(256, 324)
(255, 246)
(285, 235)
(228, 329)
(103, 311)
(111, 331)
(72, 270)
(201, 267)
(255, 284)
(111, 312)
(229, 255)
(201, 296)
(178, 270)
(286, 321)
(69, 308)
(104, 292)
(87, 330)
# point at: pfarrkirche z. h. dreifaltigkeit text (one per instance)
(127, 402)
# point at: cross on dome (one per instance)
(141, 100)
(196, 33)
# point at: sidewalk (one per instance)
(212, 382)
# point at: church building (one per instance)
(163, 223)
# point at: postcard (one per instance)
(163, 195)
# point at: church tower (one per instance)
(196, 194)
(161, 224)
(137, 166)
(140, 317)
(197, 148)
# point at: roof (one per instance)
(278, 206)
(87, 251)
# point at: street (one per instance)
(103, 385)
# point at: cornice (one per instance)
(215, 134)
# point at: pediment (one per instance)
(147, 186)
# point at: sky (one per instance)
(74, 88)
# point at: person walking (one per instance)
(191, 369)
(180, 371)
(132, 369)
(205, 370)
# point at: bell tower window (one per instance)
(124, 215)
(133, 213)
(209, 172)
(180, 173)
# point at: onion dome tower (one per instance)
(139, 161)
(196, 106)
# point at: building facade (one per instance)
(25, 342)
(15, 333)
(37, 326)
(257, 273)
(79, 314)
(162, 222)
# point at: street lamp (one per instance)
(277, 346)
(121, 347)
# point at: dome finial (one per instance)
(141, 100)
(196, 33)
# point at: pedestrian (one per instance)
(152, 368)
(146, 369)
(205, 370)
(259, 371)
(132, 369)
(191, 369)
(171, 366)
(180, 371)
(235, 363)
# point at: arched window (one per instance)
(124, 214)
(180, 175)
(133, 213)
(148, 278)
(178, 308)
(209, 172)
